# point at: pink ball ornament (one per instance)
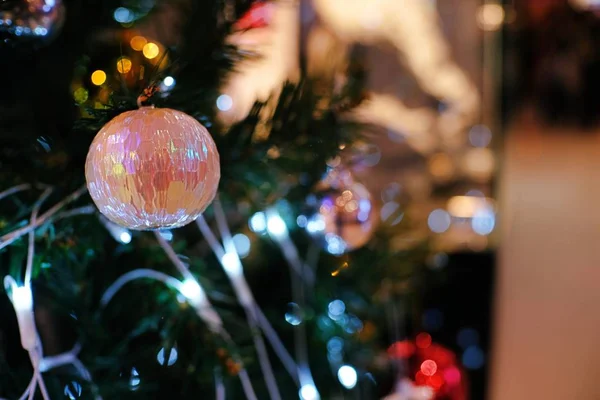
(152, 168)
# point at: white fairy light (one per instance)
(22, 298)
(276, 226)
(347, 376)
(119, 233)
(224, 102)
(231, 264)
(309, 392)
(191, 290)
(169, 81)
(258, 222)
(125, 237)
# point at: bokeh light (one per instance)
(138, 42)
(336, 309)
(473, 357)
(309, 392)
(490, 16)
(423, 340)
(191, 290)
(347, 376)
(441, 167)
(224, 102)
(124, 65)
(467, 337)
(160, 357)
(150, 50)
(258, 222)
(242, 244)
(169, 81)
(293, 315)
(452, 376)
(428, 367)
(81, 95)
(480, 136)
(98, 77)
(72, 391)
(483, 222)
(125, 237)
(123, 15)
(134, 379)
(276, 225)
(439, 221)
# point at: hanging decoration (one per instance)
(152, 168)
(344, 219)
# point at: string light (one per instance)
(258, 222)
(276, 226)
(191, 290)
(309, 392)
(124, 65)
(231, 264)
(137, 43)
(150, 50)
(98, 77)
(347, 376)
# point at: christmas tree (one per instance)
(277, 285)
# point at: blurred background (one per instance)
(480, 141)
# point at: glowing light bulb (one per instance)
(22, 298)
(309, 392)
(191, 290)
(231, 264)
(276, 226)
(125, 237)
(347, 376)
(150, 50)
(258, 222)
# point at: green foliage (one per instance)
(278, 152)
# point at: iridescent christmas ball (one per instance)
(31, 19)
(152, 168)
(344, 217)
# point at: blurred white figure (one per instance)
(275, 43)
(411, 26)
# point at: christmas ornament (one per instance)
(152, 168)
(344, 218)
(430, 366)
(20, 19)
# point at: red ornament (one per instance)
(433, 366)
(259, 15)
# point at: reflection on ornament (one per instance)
(31, 18)
(345, 218)
(432, 369)
(152, 169)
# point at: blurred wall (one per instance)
(547, 322)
